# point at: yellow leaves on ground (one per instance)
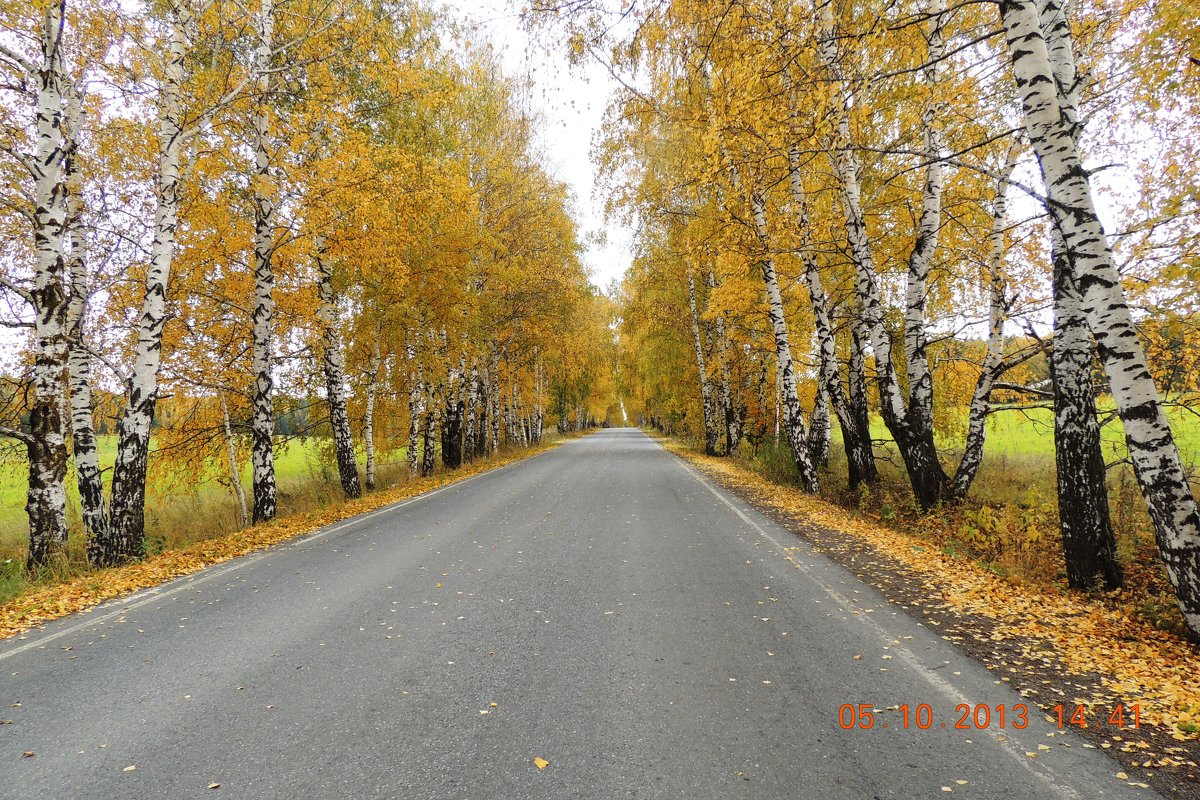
(1137, 663)
(540, 763)
(43, 604)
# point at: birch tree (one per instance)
(46, 167)
(1151, 443)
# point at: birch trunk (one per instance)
(494, 399)
(510, 414)
(415, 381)
(429, 443)
(87, 462)
(793, 416)
(469, 435)
(369, 416)
(235, 473)
(485, 404)
(990, 370)
(711, 434)
(333, 366)
(452, 419)
(539, 415)
(46, 498)
(126, 532)
(820, 433)
(520, 430)
(1089, 545)
(1152, 448)
(263, 421)
(856, 437)
(911, 425)
(728, 405)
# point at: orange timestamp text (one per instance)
(974, 717)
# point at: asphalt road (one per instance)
(599, 606)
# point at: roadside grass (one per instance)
(183, 514)
(181, 507)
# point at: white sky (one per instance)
(570, 102)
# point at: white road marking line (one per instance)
(936, 681)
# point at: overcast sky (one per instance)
(570, 101)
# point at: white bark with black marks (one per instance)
(415, 387)
(46, 497)
(126, 535)
(369, 414)
(1085, 521)
(334, 369)
(469, 426)
(856, 438)
(911, 422)
(789, 396)
(711, 434)
(726, 397)
(1152, 448)
(972, 457)
(494, 399)
(88, 477)
(262, 452)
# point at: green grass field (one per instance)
(173, 509)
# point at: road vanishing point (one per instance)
(601, 607)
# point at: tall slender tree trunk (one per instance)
(968, 465)
(369, 416)
(235, 472)
(485, 405)
(789, 397)
(415, 385)
(820, 432)
(911, 425)
(731, 419)
(494, 399)
(126, 532)
(452, 428)
(711, 433)
(333, 366)
(1089, 545)
(856, 437)
(793, 415)
(429, 443)
(79, 367)
(46, 498)
(262, 454)
(538, 412)
(469, 435)
(1152, 448)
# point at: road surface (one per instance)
(600, 606)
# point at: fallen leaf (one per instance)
(540, 763)
(214, 786)
(1122, 776)
(130, 768)
(27, 754)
